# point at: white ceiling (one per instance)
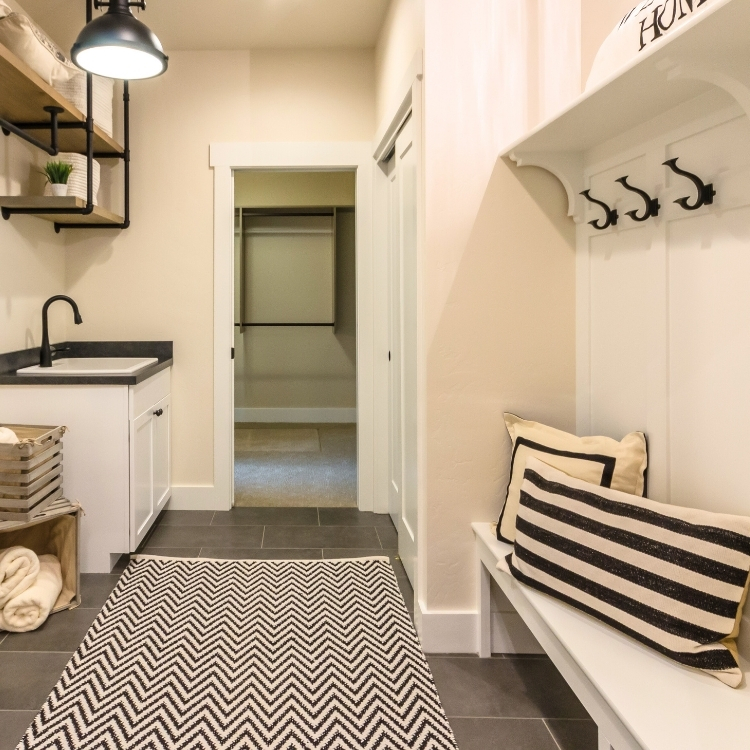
(233, 24)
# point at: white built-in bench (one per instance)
(638, 699)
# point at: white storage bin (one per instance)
(74, 90)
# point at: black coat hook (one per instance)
(706, 193)
(611, 213)
(652, 204)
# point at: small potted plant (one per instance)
(57, 174)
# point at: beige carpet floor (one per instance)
(293, 466)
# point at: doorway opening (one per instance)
(295, 339)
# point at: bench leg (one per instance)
(484, 620)
(604, 743)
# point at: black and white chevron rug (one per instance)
(193, 654)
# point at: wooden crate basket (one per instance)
(30, 471)
(54, 531)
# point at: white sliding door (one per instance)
(403, 347)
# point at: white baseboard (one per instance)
(198, 497)
(456, 633)
(332, 415)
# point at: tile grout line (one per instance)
(551, 735)
(507, 718)
(38, 652)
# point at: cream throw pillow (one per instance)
(598, 460)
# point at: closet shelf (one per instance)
(23, 96)
(709, 52)
(33, 204)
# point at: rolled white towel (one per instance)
(7, 436)
(19, 568)
(29, 610)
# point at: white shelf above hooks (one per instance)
(711, 52)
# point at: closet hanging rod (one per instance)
(283, 231)
(287, 212)
(284, 325)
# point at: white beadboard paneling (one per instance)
(663, 310)
(709, 342)
(619, 371)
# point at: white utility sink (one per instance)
(92, 366)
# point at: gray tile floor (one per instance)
(510, 703)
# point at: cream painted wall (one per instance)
(499, 300)
(278, 368)
(311, 95)
(155, 280)
(400, 38)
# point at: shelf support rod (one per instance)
(19, 130)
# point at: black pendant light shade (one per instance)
(118, 45)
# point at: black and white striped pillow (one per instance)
(673, 578)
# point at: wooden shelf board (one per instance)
(98, 216)
(693, 60)
(23, 96)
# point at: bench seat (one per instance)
(639, 699)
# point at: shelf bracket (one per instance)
(566, 166)
(738, 89)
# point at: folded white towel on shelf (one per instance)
(7, 436)
(19, 568)
(30, 609)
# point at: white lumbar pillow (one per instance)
(646, 25)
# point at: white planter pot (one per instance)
(59, 190)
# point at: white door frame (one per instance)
(224, 159)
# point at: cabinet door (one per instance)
(162, 454)
(142, 511)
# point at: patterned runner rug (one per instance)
(247, 654)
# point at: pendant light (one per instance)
(117, 45)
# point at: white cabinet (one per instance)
(117, 456)
(149, 468)
(149, 464)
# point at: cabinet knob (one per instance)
(158, 412)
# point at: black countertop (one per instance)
(13, 361)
